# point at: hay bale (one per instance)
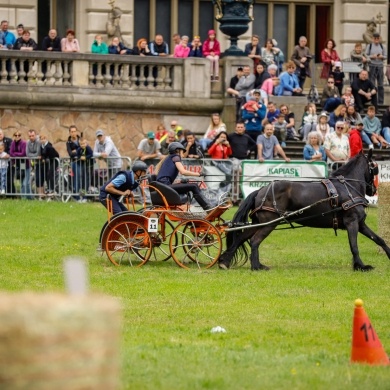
(384, 211)
(54, 341)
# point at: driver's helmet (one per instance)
(139, 166)
(174, 146)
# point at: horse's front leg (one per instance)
(353, 228)
(365, 230)
(255, 242)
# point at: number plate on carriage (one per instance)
(152, 225)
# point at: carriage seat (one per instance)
(171, 196)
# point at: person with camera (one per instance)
(220, 147)
(168, 169)
(301, 57)
(376, 52)
(121, 185)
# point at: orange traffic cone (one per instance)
(366, 346)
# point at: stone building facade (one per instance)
(343, 20)
(126, 114)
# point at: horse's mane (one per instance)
(346, 169)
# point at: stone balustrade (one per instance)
(138, 76)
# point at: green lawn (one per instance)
(289, 328)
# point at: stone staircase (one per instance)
(294, 149)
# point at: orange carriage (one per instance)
(170, 228)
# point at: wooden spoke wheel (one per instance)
(128, 241)
(161, 238)
(199, 244)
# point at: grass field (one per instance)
(289, 328)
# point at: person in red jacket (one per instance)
(355, 139)
(220, 148)
(212, 51)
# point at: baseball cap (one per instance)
(376, 35)
(150, 135)
(99, 132)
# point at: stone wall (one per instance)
(126, 130)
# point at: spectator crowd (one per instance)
(262, 129)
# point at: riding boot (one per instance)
(199, 198)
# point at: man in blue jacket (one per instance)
(253, 113)
(120, 185)
(9, 38)
(289, 84)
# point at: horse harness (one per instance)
(333, 198)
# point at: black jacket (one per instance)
(72, 147)
(54, 43)
(22, 43)
(48, 152)
(7, 144)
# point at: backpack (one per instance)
(370, 46)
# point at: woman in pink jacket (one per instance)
(182, 49)
(70, 43)
(212, 51)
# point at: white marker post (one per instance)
(76, 276)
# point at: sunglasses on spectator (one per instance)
(339, 127)
(17, 135)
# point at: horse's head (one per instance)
(372, 171)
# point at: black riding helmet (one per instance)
(139, 166)
(174, 146)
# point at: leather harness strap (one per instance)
(333, 198)
(354, 202)
(333, 195)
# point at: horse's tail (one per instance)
(246, 206)
(234, 242)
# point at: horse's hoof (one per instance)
(364, 268)
(261, 268)
(223, 266)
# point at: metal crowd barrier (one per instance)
(59, 178)
(221, 176)
(81, 179)
(66, 179)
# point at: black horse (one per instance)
(337, 202)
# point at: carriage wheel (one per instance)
(199, 244)
(161, 249)
(160, 240)
(128, 241)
